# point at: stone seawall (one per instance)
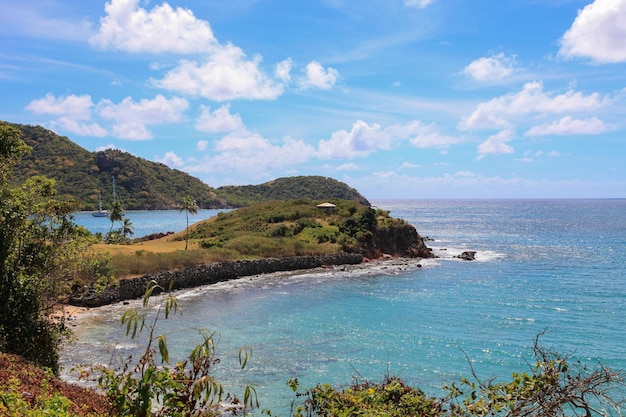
(205, 274)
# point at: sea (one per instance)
(550, 270)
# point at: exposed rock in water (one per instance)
(467, 255)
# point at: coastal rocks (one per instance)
(205, 274)
(399, 239)
(467, 255)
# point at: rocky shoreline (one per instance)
(206, 274)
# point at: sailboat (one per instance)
(101, 212)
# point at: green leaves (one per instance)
(187, 388)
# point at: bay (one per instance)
(540, 264)
(145, 222)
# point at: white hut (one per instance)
(326, 206)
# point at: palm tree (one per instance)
(127, 228)
(116, 214)
(189, 206)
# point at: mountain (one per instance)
(140, 184)
(291, 188)
(146, 185)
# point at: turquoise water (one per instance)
(541, 264)
(145, 222)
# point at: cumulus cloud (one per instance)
(220, 120)
(250, 153)
(131, 118)
(127, 27)
(569, 126)
(316, 76)
(420, 4)
(598, 33)
(74, 113)
(495, 67)
(170, 159)
(77, 107)
(225, 75)
(73, 126)
(502, 112)
(496, 144)
(364, 139)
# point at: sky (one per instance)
(406, 99)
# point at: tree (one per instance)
(116, 214)
(127, 228)
(42, 253)
(189, 206)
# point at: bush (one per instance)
(144, 387)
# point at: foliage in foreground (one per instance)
(188, 388)
(43, 254)
(554, 388)
(29, 391)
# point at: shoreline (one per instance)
(384, 265)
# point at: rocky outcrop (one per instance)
(205, 274)
(397, 239)
(467, 255)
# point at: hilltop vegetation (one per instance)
(291, 188)
(146, 185)
(299, 227)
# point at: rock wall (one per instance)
(205, 274)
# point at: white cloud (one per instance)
(316, 76)
(170, 159)
(221, 120)
(283, 69)
(130, 28)
(250, 153)
(202, 145)
(554, 154)
(598, 32)
(225, 75)
(132, 118)
(569, 126)
(420, 4)
(74, 113)
(496, 144)
(83, 129)
(76, 107)
(364, 139)
(495, 67)
(501, 112)
(427, 136)
(105, 147)
(348, 167)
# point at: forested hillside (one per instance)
(140, 184)
(290, 188)
(146, 185)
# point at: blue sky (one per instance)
(397, 98)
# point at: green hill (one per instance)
(147, 185)
(301, 227)
(290, 188)
(140, 184)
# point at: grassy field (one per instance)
(265, 230)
